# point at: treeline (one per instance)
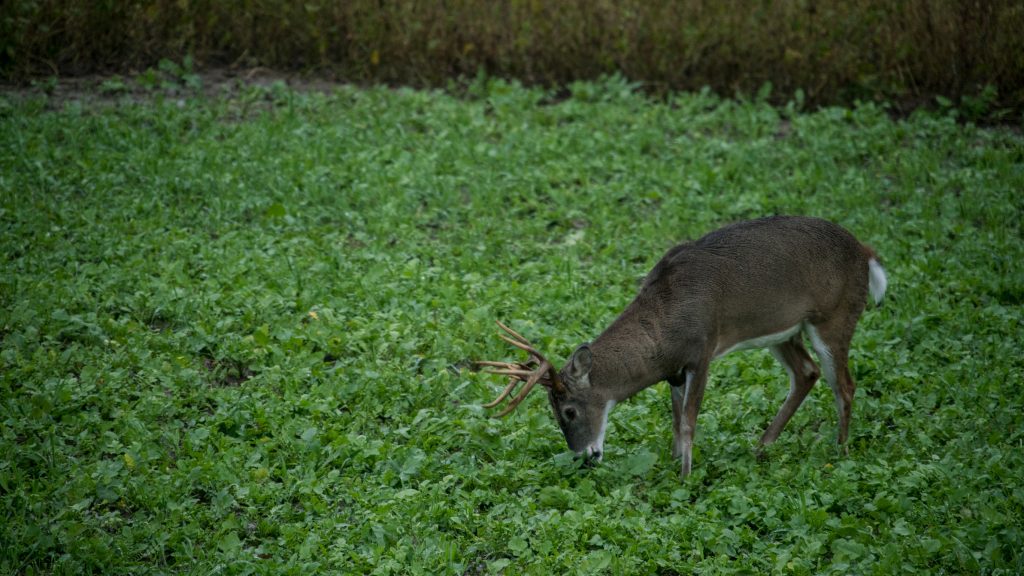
(832, 50)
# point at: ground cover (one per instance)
(235, 333)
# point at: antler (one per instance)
(536, 369)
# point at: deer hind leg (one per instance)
(803, 373)
(831, 342)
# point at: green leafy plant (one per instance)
(168, 76)
(235, 335)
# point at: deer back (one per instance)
(738, 283)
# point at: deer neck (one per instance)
(626, 358)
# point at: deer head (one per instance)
(581, 411)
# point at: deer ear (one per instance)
(580, 364)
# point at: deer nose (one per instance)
(594, 454)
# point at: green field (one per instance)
(236, 332)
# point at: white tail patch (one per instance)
(877, 280)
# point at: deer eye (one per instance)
(569, 413)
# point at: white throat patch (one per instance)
(598, 446)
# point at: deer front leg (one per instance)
(692, 395)
(677, 386)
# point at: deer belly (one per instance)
(765, 341)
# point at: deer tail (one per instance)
(877, 278)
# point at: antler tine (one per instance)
(496, 364)
(502, 365)
(514, 334)
(521, 374)
(521, 345)
(536, 369)
(505, 368)
(534, 378)
(517, 371)
(519, 341)
(504, 393)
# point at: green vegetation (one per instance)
(904, 51)
(235, 334)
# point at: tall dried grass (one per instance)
(832, 50)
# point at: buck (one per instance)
(763, 283)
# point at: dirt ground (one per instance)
(224, 82)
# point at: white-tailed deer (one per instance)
(756, 284)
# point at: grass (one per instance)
(235, 333)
